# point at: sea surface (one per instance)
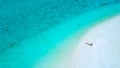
(35, 33)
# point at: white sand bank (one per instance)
(105, 52)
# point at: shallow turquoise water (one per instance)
(32, 30)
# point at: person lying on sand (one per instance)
(90, 44)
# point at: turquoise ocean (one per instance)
(35, 33)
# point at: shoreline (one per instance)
(99, 55)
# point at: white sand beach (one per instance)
(105, 52)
